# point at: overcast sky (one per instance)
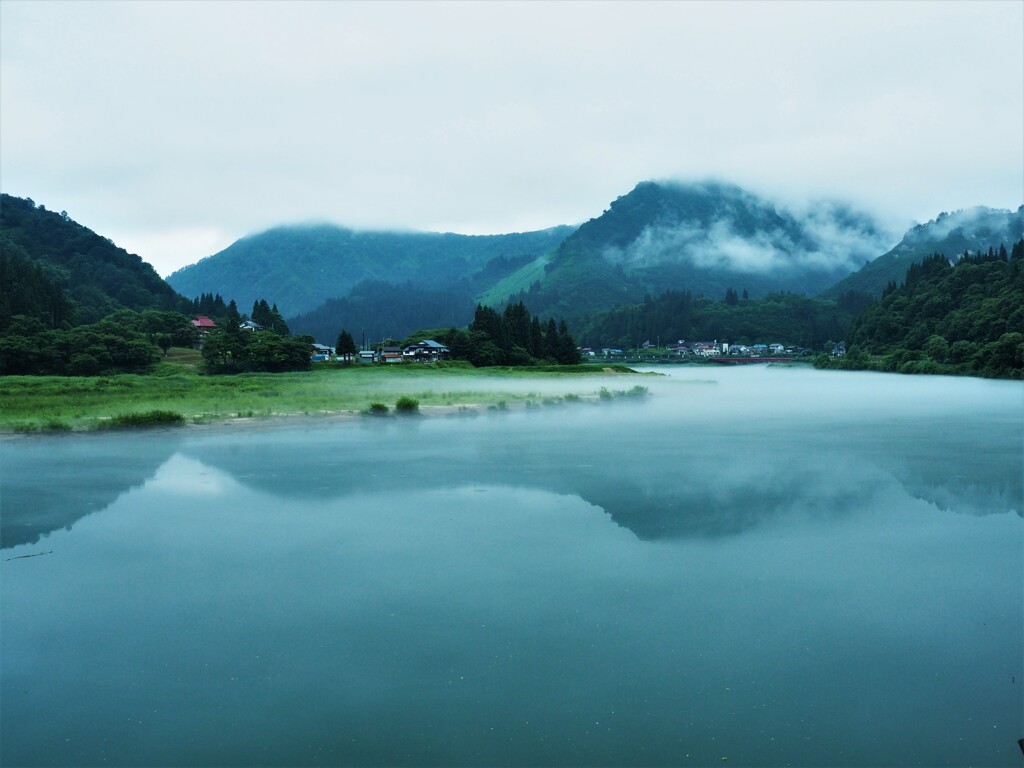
(175, 128)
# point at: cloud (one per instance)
(494, 117)
(824, 237)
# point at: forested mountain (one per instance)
(301, 267)
(944, 318)
(702, 238)
(59, 272)
(377, 310)
(973, 230)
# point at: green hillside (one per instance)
(966, 318)
(498, 293)
(301, 267)
(704, 238)
(61, 273)
(974, 230)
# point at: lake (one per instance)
(770, 565)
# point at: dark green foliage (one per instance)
(302, 267)
(676, 315)
(345, 346)
(512, 338)
(27, 290)
(172, 328)
(156, 418)
(975, 230)
(269, 317)
(234, 351)
(92, 272)
(406, 404)
(379, 309)
(210, 305)
(110, 346)
(966, 318)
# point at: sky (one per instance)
(174, 128)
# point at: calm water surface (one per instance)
(774, 566)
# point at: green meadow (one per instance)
(178, 391)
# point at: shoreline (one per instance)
(286, 419)
(61, 405)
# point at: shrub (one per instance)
(155, 418)
(406, 404)
(377, 409)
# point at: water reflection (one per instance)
(203, 619)
(698, 458)
(49, 483)
(778, 567)
(658, 477)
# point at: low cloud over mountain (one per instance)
(721, 227)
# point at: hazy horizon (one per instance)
(177, 128)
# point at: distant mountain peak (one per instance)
(714, 224)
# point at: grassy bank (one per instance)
(177, 386)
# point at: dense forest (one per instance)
(124, 341)
(963, 318)
(95, 278)
(377, 309)
(512, 337)
(272, 348)
(674, 315)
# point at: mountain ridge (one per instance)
(973, 230)
(302, 266)
(95, 274)
(703, 237)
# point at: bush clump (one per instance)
(156, 418)
(406, 404)
(377, 409)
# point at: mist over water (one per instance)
(778, 566)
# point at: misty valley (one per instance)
(769, 565)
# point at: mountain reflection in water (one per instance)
(773, 568)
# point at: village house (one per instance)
(426, 351)
(390, 354)
(705, 348)
(204, 325)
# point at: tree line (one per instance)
(127, 341)
(230, 349)
(123, 342)
(784, 317)
(512, 337)
(963, 318)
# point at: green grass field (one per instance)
(178, 386)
